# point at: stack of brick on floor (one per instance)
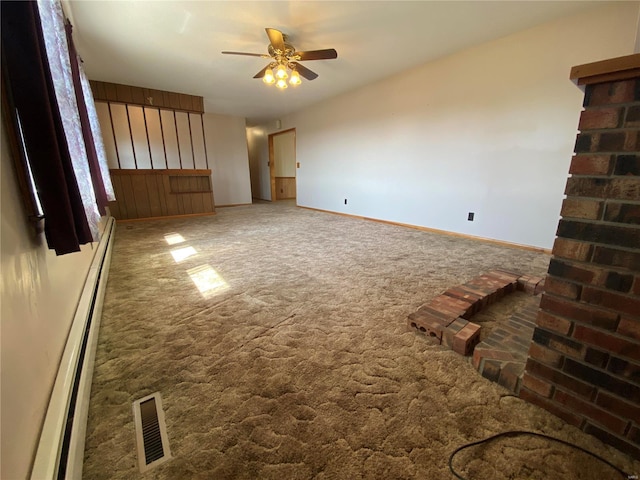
(501, 357)
(446, 317)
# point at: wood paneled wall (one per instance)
(116, 92)
(145, 193)
(285, 187)
(150, 138)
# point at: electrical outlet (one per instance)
(470, 217)
(345, 201)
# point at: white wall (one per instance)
(40, 293)
(488, 130)
(228, 159)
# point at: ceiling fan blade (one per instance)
(325, 54)
(260, 74)
(276, 39)
(304, 71)
(248, 54)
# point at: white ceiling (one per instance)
(175, 46)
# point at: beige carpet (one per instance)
(295, 362)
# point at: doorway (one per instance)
(282, 164)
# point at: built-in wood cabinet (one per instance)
(285, 187)
(146, 193)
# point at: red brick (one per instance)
(450, 331)
(622, 213)
(577, 208)
(631, 141)
(633, 116)
(431, 329)
(482, 296)
(558, 378)
(625, 347)
(459, 293)
(610, 93)
(506, 282)
(596, 357)
(627, 165)
(444, 318)
(537, 385)
(577, 272)
(490, 369)
(576, 405)
(617, 258)
(619, 235)
(466, 339)
(604, 380)
(621, 188)
(446, 303)
(495, 354)
(595, 118)
(580, 312)
(478, 355)
(513, 274)
(620, 303)
(510, 376)
(553, 323)
(634, 434)
(629, 327)
(618, 406)
(621, 444)
(562, 288)
(609, 141)
(545, 355)
(446, 310)
(585, 164)
(540, 287)
(572, 249)
(550, 406)
(636, 286)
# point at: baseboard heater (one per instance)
(61, 448)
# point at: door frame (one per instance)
(272, 166)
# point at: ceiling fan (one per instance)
(284, 57)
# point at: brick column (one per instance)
(584, 360)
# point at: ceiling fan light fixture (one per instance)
(281, 84)
(268, 76)
(295, 78)
(281, 72)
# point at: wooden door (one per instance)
(282, 164)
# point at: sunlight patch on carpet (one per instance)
(207, 280)
(173, 238)
(180, 254)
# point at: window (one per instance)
(59, 147)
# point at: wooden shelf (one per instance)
(619, 68)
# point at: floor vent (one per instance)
(151, 432)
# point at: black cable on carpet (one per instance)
(515, 433)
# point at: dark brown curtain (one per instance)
(27, 73)
(87, 134)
